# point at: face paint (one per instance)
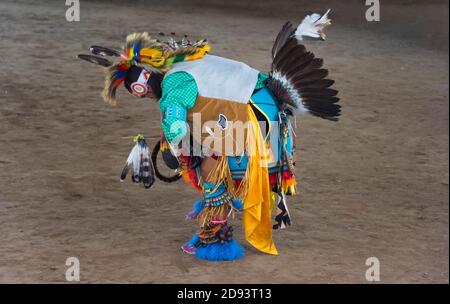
(140, 87)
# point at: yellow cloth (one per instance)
(257, 209)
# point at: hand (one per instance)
(174, 131)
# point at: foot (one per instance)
(192, 215)
(188, 248)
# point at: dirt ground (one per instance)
(375, 184)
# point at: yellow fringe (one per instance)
(208, 214)
(222, 174)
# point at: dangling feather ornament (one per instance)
(297, 79)
(139, 160)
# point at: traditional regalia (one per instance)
(225, 113)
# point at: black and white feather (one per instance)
(297, 79)
(312, 26)
(142, 167)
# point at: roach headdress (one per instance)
(145, 61)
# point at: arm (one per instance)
(179, 92)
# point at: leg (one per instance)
(207, 165)
(214, 241)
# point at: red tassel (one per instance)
(123, 67)
(117, 82)
(190, 176)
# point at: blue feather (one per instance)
(238, 204)
(228, 251)
(137, 50)
(120, 74)
(198, 206)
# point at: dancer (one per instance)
(245, 141)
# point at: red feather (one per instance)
(117, 82)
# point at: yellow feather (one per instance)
(199, 53)
(153, 57)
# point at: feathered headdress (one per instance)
(152, 55)
(143, 51)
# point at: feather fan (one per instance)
(297, 79)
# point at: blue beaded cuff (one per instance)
(178, 113)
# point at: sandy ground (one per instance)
(374, 184)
